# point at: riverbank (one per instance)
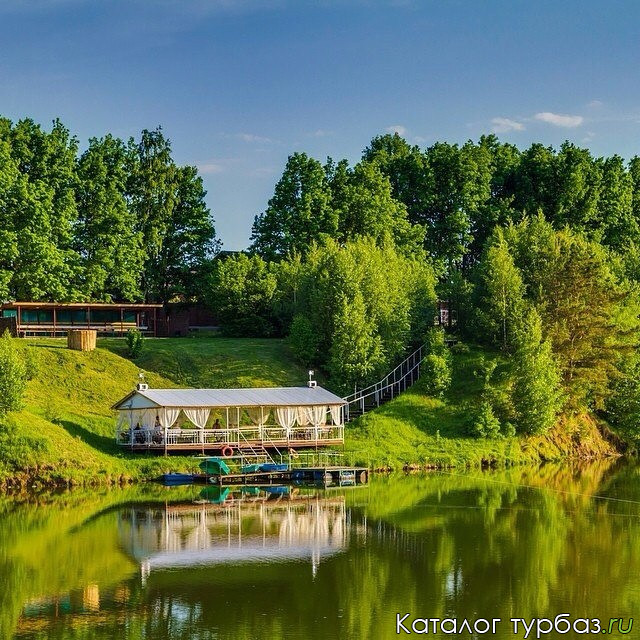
(64, 434)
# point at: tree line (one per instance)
(119, 221)
(536, 252)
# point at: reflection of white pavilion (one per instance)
(202, 534)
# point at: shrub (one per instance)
(135, 342)
(13, 375)
(304, 340)
(436, 370)
(485, 424)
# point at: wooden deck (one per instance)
(247, 447)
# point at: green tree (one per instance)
(536, 394)
(299, 212)
(241, 293)
(40, 212)
(356, 352)
(106, 238)
(151, 194)
(189, 242)
(503, 288)
(618, 223)
(13, 375)
(366, 207)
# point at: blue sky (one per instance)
(239, 84)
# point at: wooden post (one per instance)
(55, 317)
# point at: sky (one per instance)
(238, 85)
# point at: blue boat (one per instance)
(173, 479)
(269, 466)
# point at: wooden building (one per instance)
(56, 318)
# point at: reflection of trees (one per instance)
(522, 542)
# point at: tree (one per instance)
(40, 212)
(298, 214)
(356, 352)
(619, 226)
(13, 375)
(623, 408)
(504, 290)
(106, 237)
(536, 393)
(577, 181)
(408, 172)
(151, 194)
(241, 292)
(367, 208)
(189, 243)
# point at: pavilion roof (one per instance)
(217, 398)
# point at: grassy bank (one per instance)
(65, 433)
(417, 430)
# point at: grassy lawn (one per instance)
(415, 429)
(65, 433)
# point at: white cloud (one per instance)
(503, 125)
(559, 119)
(595, 104)
(396, 128)
(250, 137)
(210, 168)
(321, 133)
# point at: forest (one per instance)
(536, 251)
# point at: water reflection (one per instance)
(252, 527)
(180, 564)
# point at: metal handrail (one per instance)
(376, 385)
(376, 390)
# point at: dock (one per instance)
(324, 475)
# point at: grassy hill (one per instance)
(417, 430)
(65, 433)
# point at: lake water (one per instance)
(192, 563)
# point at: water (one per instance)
(156, 563)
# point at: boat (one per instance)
(173, 479)
(215, 466)
(272, 466)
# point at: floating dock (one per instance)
(326, 476)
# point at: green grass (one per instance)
(65, 433)
(416, 430)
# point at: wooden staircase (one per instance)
(394, 383)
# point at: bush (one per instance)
(13, 375)
(135, 342)
(484, 423)
(436, 370)
(304, 340)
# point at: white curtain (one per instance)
(258, 415)
(143, 417)
(319, 415)
(286, 417)
(167, 417)
(336, 415)
(199, 417)
(304, 415)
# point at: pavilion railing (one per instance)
(237, 437)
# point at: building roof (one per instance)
(217, 398)
(81, 305)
